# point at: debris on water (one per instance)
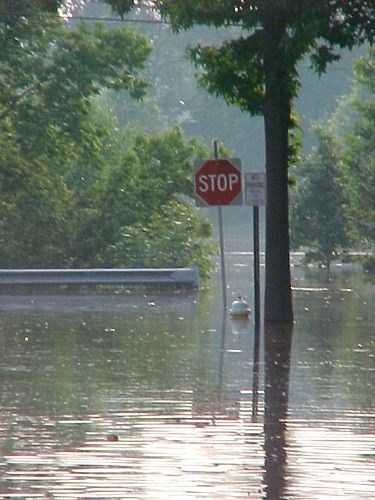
(112, 437)
(200, 425)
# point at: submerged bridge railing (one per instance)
(187, 277)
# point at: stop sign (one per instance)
(218, 182)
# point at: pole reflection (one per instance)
(221, 363)
(256, 369)
(278, 343)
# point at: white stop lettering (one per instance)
(220, 182)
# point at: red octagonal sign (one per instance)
(218, 182)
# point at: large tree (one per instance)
(258, 72)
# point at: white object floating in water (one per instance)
(240, 309)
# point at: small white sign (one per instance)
(255, 188)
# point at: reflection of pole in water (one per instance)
(221, 362)
(240, 328)
(278, 342)
(255, 388)
(222, 351)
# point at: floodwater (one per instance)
(162, 397)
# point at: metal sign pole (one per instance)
(255, 195)
(256, 267)
(221, 236)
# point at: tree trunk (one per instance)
(278, 296)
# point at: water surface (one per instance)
(160, 396)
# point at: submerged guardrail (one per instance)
(187, 276)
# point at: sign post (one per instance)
(255, 195)
(221, 238)
(218, 182)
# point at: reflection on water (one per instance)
(164, 397)
(278, 343)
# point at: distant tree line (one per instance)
(333, 205)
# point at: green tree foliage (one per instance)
(258, 72)
(175, 236)
(70, 181)
(153, 171)
(48, 75)
(34, 207)
(14, 12)
(359, 147)
(51, 72)
(334, 205)
(321, 204)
